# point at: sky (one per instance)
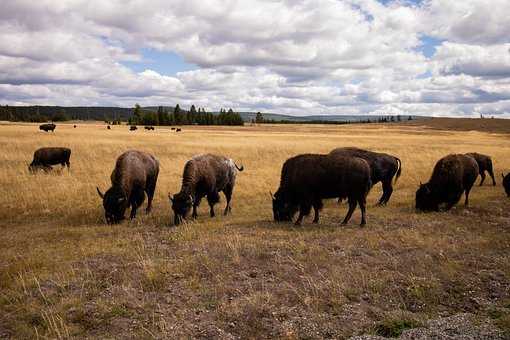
(298, 57)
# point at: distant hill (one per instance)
(27, 113)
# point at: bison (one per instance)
(383, 168)
(74, 126)
(44, 158)
(108, 127)
(135, 172)
(47, 127)
(204, 175)
(149, 127)
(178, 130)
(506, 183)
(133, 128)
(484, 164)
(452, 175)
(307, 179)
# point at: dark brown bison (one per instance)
(178, 130)
(484, 164)
(149, 127)
(309, 178)
(74, 126)
(47, 127)
(108, 127)
(506, 183)
(204, 175)
(133, 128)
(383, 168)
(135, 172)
(452, 175)
(44, 158)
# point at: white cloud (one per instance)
(297, 57)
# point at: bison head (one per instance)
(283, 211)
(181, 205)
(424, 199)
(115, 204)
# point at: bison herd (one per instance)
(307, 179)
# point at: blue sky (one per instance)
(163, 62)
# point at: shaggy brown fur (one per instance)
(44, 158)
(452, 175)
(383, 168)
(135, 172)
(309, 178)
(484, 164)
(506, 183)
(204, 175)
(47, 127)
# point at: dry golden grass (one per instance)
(64, 273)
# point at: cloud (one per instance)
(294, 56)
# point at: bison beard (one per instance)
(135, 172)
(452, 175)
(204, 175)
(383, 168)
(309, 178)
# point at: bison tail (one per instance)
(239, 168)
(399, 171)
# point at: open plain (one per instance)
(65, 273)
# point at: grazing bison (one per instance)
(506, 183)
(383, 168)
(177, 130)
(204, 175)
(149, 127)
(74, 126)
(484, 164)
(134, 173)
(108, 127)
(172, 129)
(47, 127)
(133, 128)
(309, 178)
(452, 175)
(44, 158)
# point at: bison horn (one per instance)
(100, 193)
(191, 198)
(171, 198)
(503, 176)
(271, 194)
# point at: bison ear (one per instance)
(100, 193)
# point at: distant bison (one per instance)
(383, 168)
(133, 128)
(309, 178)
(44, 158)
(172, 129)
(134, 173)
(484, 164)
(149, 127)
(74, 126)
(452, 175)
(506, 183)
(204, 175)
(177, 130)
(108, 127)
(47, 127)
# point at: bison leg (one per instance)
(466, 202)
(304, 209)
(212, 199)
(387, 191)
(151, 187)
(196, 203)
(491, 173)
(482, 174)
(362, 204)
(352, 206)
(228, 195)
(317, 206)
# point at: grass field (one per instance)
(64, 273)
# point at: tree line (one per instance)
(181, 117)
(259, 119)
